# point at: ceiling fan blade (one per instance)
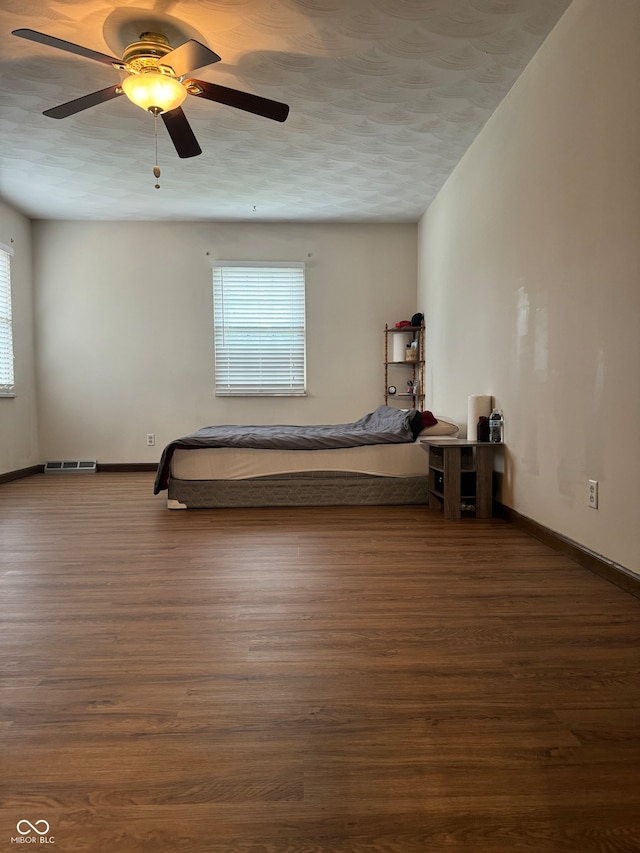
(189, 56)
(43, 38)
(241, 100)
(83, 103)
(181, 134)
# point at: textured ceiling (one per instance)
(385, 97)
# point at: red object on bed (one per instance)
(427, 420)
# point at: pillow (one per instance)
(427, 419)
(441, 427)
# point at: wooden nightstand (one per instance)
(460, 472)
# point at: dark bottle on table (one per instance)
(482, 430)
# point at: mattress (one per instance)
(230, 463)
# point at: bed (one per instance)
(375, 460)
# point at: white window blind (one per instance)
(259, 328)
(6, 331)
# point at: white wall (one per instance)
(18, 415)
(125, 342)
(529, 263)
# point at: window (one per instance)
(259, 329)
(6, 332)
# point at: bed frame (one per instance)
(318, 488)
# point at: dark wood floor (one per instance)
(330, 680)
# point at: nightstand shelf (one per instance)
(460, 476)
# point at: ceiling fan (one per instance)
(157, 80)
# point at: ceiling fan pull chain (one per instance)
(156, 168)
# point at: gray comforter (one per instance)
(386, 425)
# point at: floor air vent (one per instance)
(89, 466)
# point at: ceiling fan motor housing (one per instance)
(146, 53)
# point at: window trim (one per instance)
(255, 385)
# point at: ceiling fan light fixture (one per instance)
(153, 91)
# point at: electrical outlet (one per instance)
(592, 494)
(151, 439)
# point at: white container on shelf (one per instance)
(401, 340)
